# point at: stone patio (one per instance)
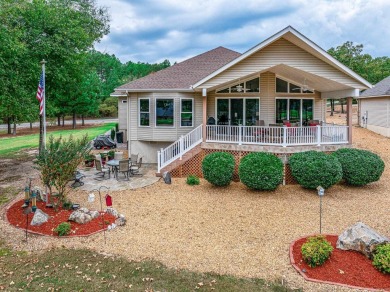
(147, 178)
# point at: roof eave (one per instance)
(126, 90)
(274, 38)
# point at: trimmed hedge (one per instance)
(381, 260)
(261, 171)
(218, 168)
(360, 167)
(312, 169)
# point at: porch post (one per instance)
(349, 119)
(204, 114)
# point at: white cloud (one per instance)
(152, 31)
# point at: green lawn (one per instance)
(84, 270)
(9, 146)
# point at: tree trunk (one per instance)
(59, 120)
(331, 107)
(14, 131)
(9, 125)
(82, 120)
(40, 134)
(30, 125)
(63, 120)
(74, 121)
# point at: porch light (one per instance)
(34, 201)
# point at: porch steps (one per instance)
(176, 163)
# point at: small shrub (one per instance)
(67, 205)
(218, 168)
(360, 167)
(312, 169)
(261, 171)
(111, 154)
(316, 251)
(193, 180)
(112, 134)
(63, 229)
(381, 260)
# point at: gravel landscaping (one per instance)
(229, 230)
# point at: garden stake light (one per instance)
(34, 201)
(27, 211)
(321, 193)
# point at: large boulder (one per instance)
(361, 238)
(39, 218)
(83, 215)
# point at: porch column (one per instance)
(349, 119)
(204, 114)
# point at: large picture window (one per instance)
(144, 112)
(295, 110)
(164, 112)
(186, 112)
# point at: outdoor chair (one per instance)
(124, 168)
(78, 176)
(135, 168)
(101, 170)
(133, 159)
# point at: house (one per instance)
(374, 108)
(270, 98)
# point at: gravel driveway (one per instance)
(231, 230)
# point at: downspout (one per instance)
(349, 119)
(204, 114)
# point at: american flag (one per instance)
(40, 95)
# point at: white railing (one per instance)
(179, 148)
(278, 136)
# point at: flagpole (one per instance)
(43, 62)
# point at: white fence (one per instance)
(179, 148)
(279, 136)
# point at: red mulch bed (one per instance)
(342, 268)
(16, 217)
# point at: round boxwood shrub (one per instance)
(261, 171)
(360, 167)
(312, 169)
(381, 259)
(316, 251)
(218, 168)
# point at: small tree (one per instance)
(58, 162)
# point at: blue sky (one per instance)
(155, 30)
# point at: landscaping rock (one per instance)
(361, 238)
(112, 211)
(83, 215)
(167, 177)
(39, 218)
(121, 220)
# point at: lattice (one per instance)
(288, 177)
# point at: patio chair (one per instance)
(135, 168)
(101, 171)
(124, 168)
(78, 176)
(133, 159)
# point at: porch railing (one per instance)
(278, 136)
(179, 148)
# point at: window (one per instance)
(124, 101)
(252, 85)
(187, 112)
(295, 110)
(237, 111)
(288, 87)
(144, 112)
(281, 85)
(164, 112)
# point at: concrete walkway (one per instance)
(148, 177)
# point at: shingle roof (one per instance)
(381, 88)
(184, 74)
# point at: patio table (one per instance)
(114, 163)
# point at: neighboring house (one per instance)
(236, 102)
(374, 108)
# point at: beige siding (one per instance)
(153, 133)
(122, 115)
(378, 111)
(282, 52)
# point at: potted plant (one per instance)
(111, 154)
(89, 160)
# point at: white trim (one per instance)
(155, 111)
(340, 93)
(173, 90)
(238, 81)
(118, 95)
(300, 106)
(139, 112)
(192, 117)
(275, 37)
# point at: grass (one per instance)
(84, 270)
(11, 145)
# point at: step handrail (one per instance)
(178, 148)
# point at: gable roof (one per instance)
(292, 35)
(382, 88)
(184, 74)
